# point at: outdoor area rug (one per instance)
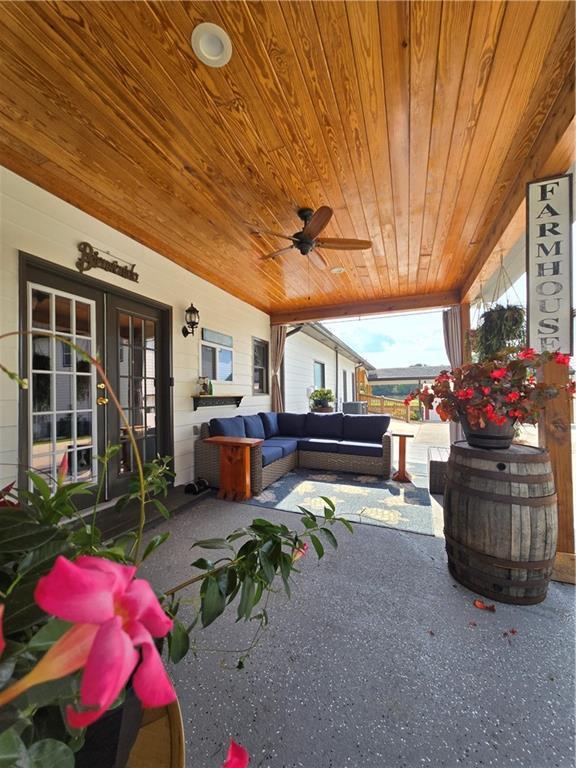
(359, 498)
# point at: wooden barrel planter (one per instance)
(501, 521)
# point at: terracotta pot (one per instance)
(492, 436)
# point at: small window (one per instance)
(260, 367)
(216, 359)
(319, 375)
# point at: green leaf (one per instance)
(21, 610)
(286, 570)
(161, 508)
(267, 567)
(308, 523)
(48, 634)
(178, 642)
(13, 753)
(205, 565)
(155, 543)
(308, 514)
(50, 753)
(213, 544)
(346, 523)
(317, 544)
(40, 484)
(247, 595)
(213, 601)
(329, 503)
(20, 533)
(40, 560)
(329, 536)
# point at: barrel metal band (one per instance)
(500, 596)
(540, 455)
(523, 479)
(487, 578)
(497, 562)
(522, 501)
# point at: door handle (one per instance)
(102, 400)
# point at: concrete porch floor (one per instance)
(374, 662)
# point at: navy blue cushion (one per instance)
(232, 427)
(364, 429)
(270, 422)
(254, 427)
(288, 444)
(320, 445)
(270, 453)
(324, 425)
(360, 449)
(291, 424)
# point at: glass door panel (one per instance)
(62, 398)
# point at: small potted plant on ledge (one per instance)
(320, 400)
(488, 398)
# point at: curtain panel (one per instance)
(453, 343)
(277, 345)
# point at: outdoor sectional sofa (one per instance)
(332, 441)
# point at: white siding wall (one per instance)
(38, 223)
(299, 356)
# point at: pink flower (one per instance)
(561, 359)
(498, 373)
(298, 553)
(62, 473)
(119, 613)
(237, 757)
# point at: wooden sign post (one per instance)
(549, 275)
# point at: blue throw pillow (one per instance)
(232, 427)
(324, 425)
(254, 427)
(291, 424)
(365, 429)
(270, 422)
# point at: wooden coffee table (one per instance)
(234, 466)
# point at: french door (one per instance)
(67, 411)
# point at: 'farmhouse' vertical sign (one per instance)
(549, 263)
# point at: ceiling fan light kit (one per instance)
(211, 44)
(307, 240)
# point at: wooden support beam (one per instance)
(359, 308)
(554, 434)
(542, 161)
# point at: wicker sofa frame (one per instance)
(207, 462)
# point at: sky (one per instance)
(396, 340)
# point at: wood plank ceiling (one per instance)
(415, 121)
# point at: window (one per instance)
(344, 387)
(260, 367)
(216, 356)
(319, 375)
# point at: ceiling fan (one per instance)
(307, 240)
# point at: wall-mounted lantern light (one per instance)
(192, 320)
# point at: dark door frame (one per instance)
(28, 266)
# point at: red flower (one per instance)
(561, 359)
(512, 397)
(237, 756)
(465, 394)
(486, 390)
(527, 354)
(498, 373)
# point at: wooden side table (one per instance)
(234, 466)
(401, 476)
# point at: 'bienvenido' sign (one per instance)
(549, 263)
(89, 258)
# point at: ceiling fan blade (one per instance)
(317, 223)
(317, 259)
(276, 253)
(273, 234)
(340, 243)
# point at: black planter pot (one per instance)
(492, 436)
(109, 740)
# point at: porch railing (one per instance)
(391, 406)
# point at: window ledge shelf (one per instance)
(211, 401)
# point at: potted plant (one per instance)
(501, 328)
(81, 634)
(320, 400)
(488, 398)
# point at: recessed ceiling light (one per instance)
(337, 270)
(211, 44)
